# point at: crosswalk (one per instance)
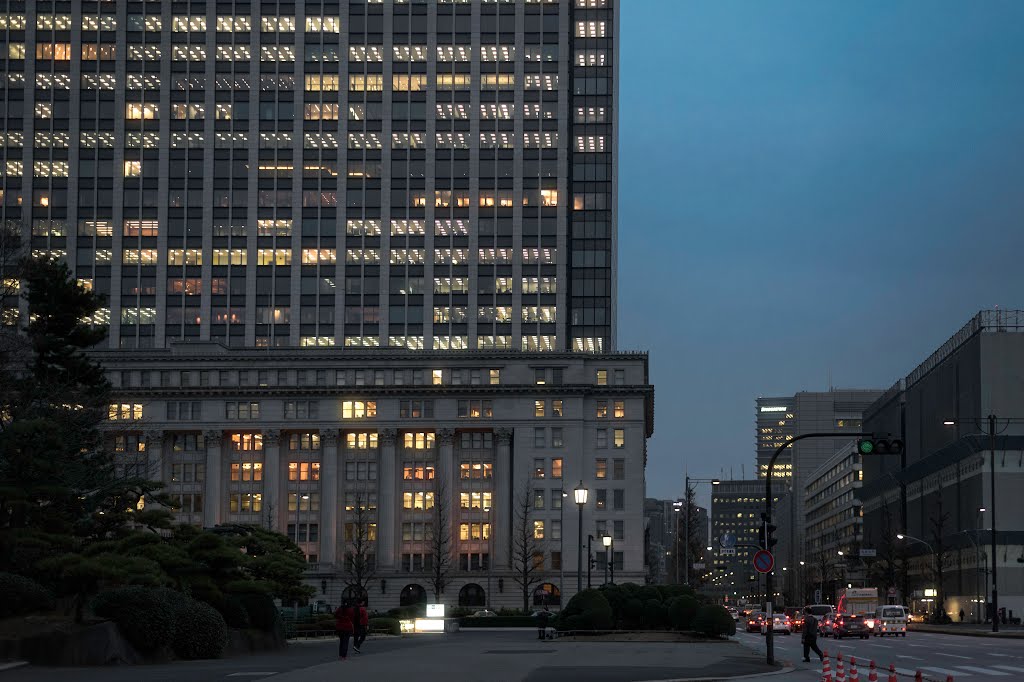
(958, 671)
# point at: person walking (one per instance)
(542, 622)
(810, 636)
(344, 623)
(961, 615)
(362, 625)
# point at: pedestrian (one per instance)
(810, 636)
(542, 622)
(362, 624)
(961, 615)
(344, 622)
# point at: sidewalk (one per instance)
(485, 657)
(971, 630)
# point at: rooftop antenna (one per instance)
(829, 378)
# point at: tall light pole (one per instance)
(992, 433)
(580, 496)
(561, 545)
(609, 550)
(490, 555)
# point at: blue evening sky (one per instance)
(808, 187)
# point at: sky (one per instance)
(808, 189)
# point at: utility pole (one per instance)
(992, 453)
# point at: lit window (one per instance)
(358, 409)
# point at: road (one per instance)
(935, 655)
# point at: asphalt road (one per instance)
(935, 655)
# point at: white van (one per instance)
(890, 620)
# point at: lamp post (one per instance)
(561, 545)
(490, 556)
(992, 433)
(609, 553)
(935, 563)
(800, 585)
(580, 496)
(590, 561)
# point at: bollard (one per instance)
(872, 673)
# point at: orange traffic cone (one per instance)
(949, 678)
(826, 667)
(840, 672)
(872, 673)
(892, 673)
(918, 677)
(854, 675)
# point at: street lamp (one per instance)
(561, 546)
(580, 495)
(609, 551)
(686, 519)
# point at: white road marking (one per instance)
(939, 653)
(983, 671)
(252, 674)
(904, 671)
(1011, 668)
(916, 658)
(941, 671)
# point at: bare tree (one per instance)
(938, 521)
(527, 556)
(888, 568)
(441, 561)
(825, 574)
(360, 558)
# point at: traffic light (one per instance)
(765, 534)
(879, 446)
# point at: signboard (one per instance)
(891, 592)
(698, 567)
(727, 551)
(868, 552)
(764, 562)
(728, 540)
(435, 610)
(817, 596)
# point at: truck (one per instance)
(857, 600)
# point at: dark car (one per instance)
(754, 621)
(796, 618)
(850, 625)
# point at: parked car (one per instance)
(734, 613)
(850, 625)
(780, 623)
(485, 614)
(754, 621)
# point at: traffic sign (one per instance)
(764, 562)
(727, 551)
(727, 540)
(817, 596)
(698, 567)
(891, 591)
(868, 552)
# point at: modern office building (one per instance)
(736, 508)
(778, 420)
(348, 248)
(935, 492)
(660, 536)
(412, 175)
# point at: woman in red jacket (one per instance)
(344, 622)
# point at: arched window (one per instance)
(472, 595)
(412, 595)
(546, 594)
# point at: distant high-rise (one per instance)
(364, 174)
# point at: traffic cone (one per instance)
(854, 675)
(826, 667)
(872, 673)
(840, 672)
(918, 677)
(949, 678)
(892, 673)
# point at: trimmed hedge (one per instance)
(20, 595)
(145, 617)
(201, 631)
(393, 626)
(681, 612)
(587, 610)
(714, 621)
(498, 622)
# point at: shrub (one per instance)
(144, 616)
(587, 610)
(632, 613)
(655, 614)
(234, 613)
(20, 595)
(262, 612)
(200, 631)
(498, 622)
(714, 621)
(681, 612)
(393, 626)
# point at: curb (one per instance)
(972, 633)
(11, 665)
(788, 668)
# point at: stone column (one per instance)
(213, 507)
(386, 478)
(446, 480)
(329, 496)
(503, 497)
(274, 507)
